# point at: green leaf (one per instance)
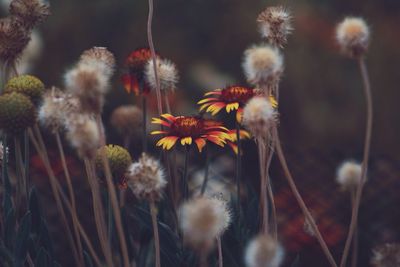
(21, 241)
(88, 259)
(42, 258)
(9, 229)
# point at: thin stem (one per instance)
(274, 223)
(144, 123)
(26, 161)
(206, 173)
(355, 239)
(364, 167)
(21, 193)
(220, 258)
(153, 56)
(113, 195)
(300, 200)
(110, 220)
(263, 189)
(71, 194)
(153, 211)
(98, 212)
(185, 189)
(4, 171)
(238, 166)
(167, 105)
(53, 181)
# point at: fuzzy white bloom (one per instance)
(166, 71)
(275, 25)
(202, 220)
(263, 251)
(262, 64)
(353, 36)
(349, 175)
(259, 116)
(83, 134)
(53, 109)
(386, 255)
(146, 178)
(99, 58)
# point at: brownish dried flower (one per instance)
(263, 251)
(353, 36)
(29, 12)
(100, 56)
(387, 255)
(13, 39)
(275, 25)
(127, 119)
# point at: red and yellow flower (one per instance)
(189, 129)
(135, 63)
(232, 98)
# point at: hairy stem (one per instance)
(113, 195)
(153, 211)
(300, 200)
(71, 195)
(364, 167)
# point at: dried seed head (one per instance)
(100, 58)
(387, 255)
(202, 220)
(263, 251)
(88, 85)
(352, 34)
(50, 111)
(146, 178)
(83, 134)
(119, 160)
(349, 175)
(17, 113)
(259, 116)
(127, 119)
(14, 37)
(275, 25)
(262, 64)
(28, 85)
(29, 12)
(167, 73)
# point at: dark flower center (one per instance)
(236, 94)
(188, 126)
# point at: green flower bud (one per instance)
(26, 84)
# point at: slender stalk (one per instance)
(238, 166)
(21, 193)
(110, 220)
(26, 161)
(167, 105)
(71, 193)
(203, 258)
(185, 189)
(144, 123)
(64, 198)
(355, 239)
(263, 189)
(274, 223)
(113, 195)
(53, 181)
(300, 200)
(153, 56)
(220, 258)
(4, 172)
(364, 167)
(153, 211)
(206, 173)
(98, 211)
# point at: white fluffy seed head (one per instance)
(146, 178)
(263, 251)
(275, 25)
(353, 34)
(101, 58)
(386, 255)
(202, 220)
(262, 64)
(51, 112)
(83, 134)
(349, 175)
(166, 71)
(259, 116)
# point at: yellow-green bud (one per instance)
(26, 84)
(16, 113)
(119, 159)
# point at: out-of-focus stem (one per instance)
(300, 200)
(153, 211)
(220, 258)
(206, 173)
(238, 167)
(364, 167)
(71, 195)
(144, 123)
(185, 189)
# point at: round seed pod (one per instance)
(16, 113)
(119, 159)
(26, 84)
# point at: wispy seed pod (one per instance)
(263, 251)
(13, 39)
(259, 117)
(51, 113)
(353, 34)
(29, 12)
(146, 178)
(386, 255)
(127, 119)
(349, 175)
(101, 58)
(262, 64)
(275, 25)
(167, 74)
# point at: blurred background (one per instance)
(322, 107)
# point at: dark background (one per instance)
(322, 109)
